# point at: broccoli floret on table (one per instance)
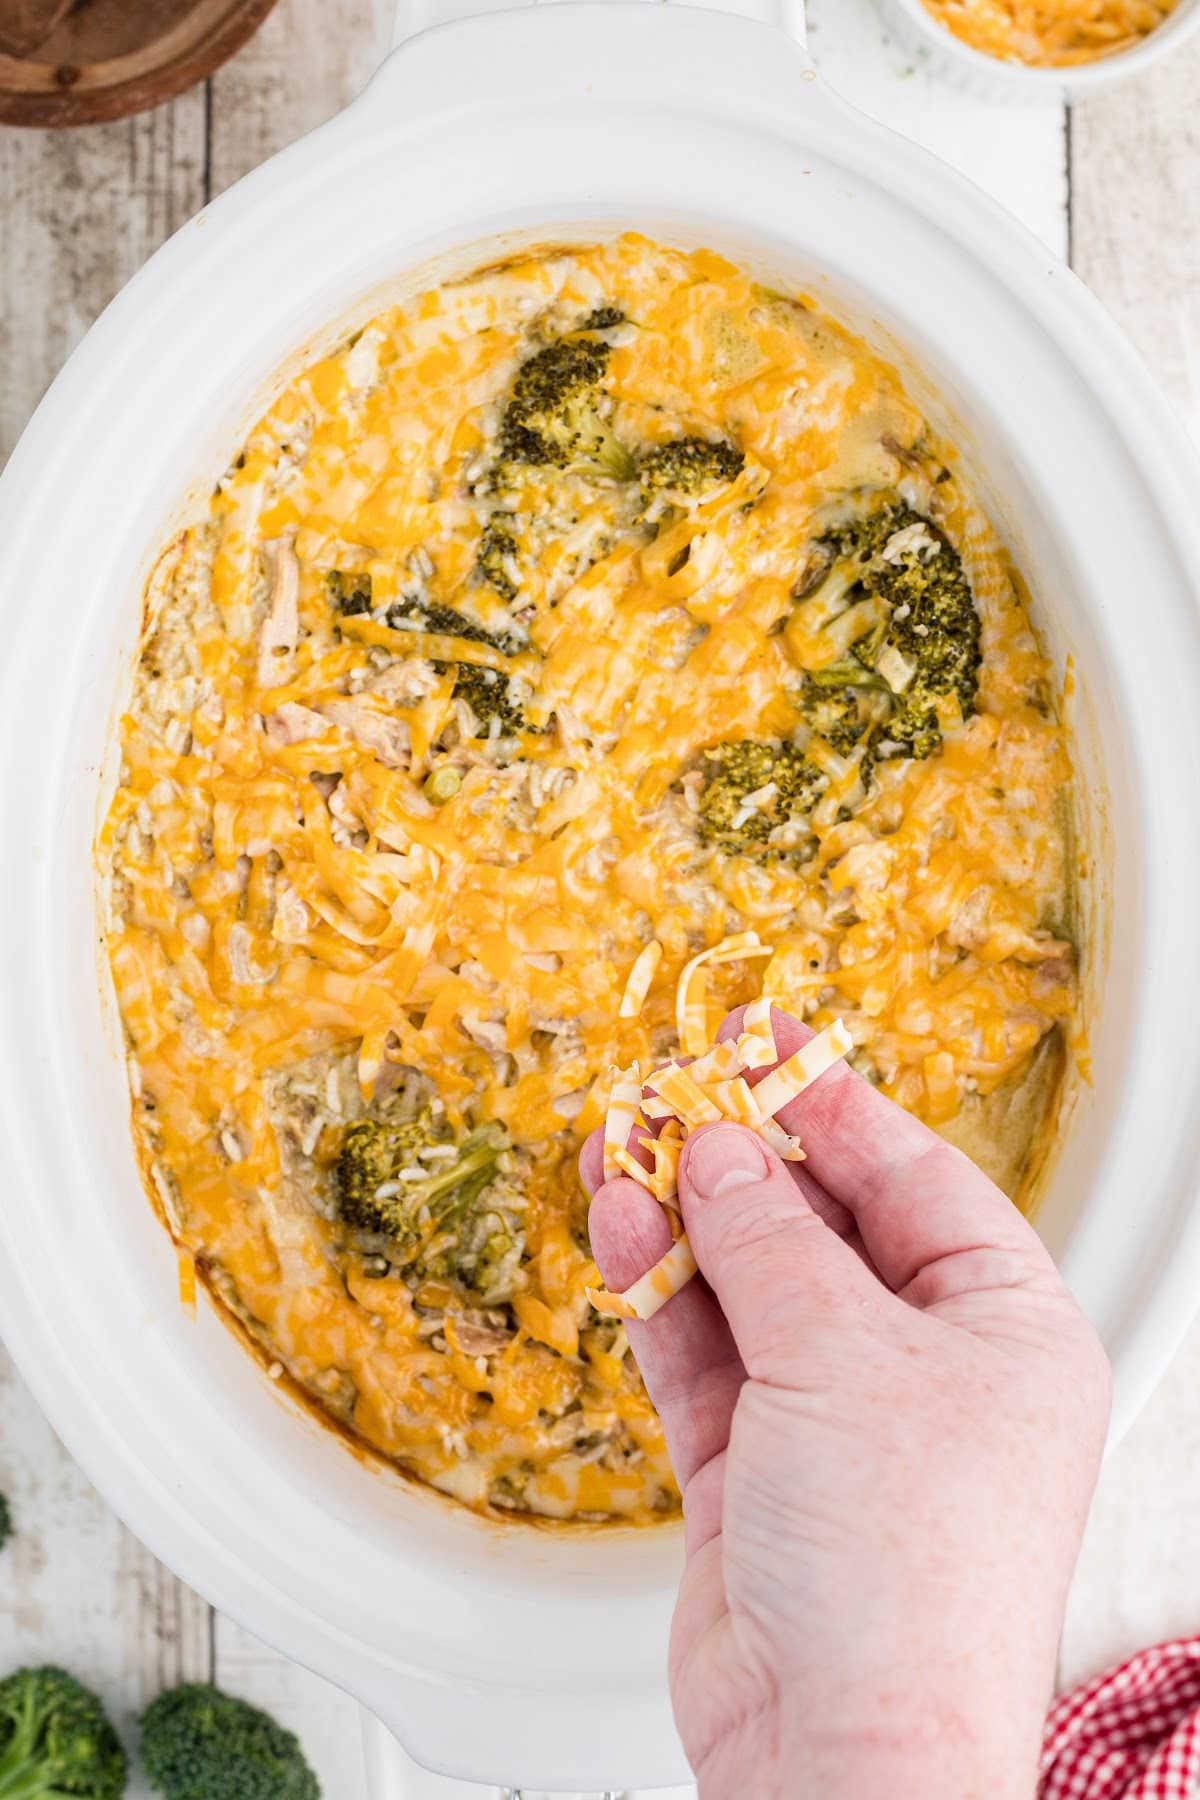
(689, 466)
(925, 648)
(201, 1744)
(752, 789)
(553, 417)
(56, 1740)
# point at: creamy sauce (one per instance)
(330, 892)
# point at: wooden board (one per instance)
(83, 64)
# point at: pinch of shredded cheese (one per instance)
(690, 1102)
(629, 1165)
(665, 1149)
(701, 1094)
(738, 1101)
(718, 1064)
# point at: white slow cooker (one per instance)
(508, 1655)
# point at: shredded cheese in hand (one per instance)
(708, 1090)
(801, 1070)
(622, 1116)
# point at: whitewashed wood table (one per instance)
(1113, 184)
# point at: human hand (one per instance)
(886, 1413)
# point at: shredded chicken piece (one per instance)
(387, 737)
(478, 1336)
(292, 723)
(969, 926)
(1054, 973)
(404, 683)
(281, 627)
(489, 1034)
(241, 960)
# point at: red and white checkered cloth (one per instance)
(1132, 1733)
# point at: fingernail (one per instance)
(724, 1159)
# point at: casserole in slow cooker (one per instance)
(565, 623)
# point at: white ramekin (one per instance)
(995, 79)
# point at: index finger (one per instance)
(686, 1353)
(916, 1199)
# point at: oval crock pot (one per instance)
(503, 1654)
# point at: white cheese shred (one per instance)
(691, 1010)
(791, 1078)
(652, 1291)
(637, 984)
(624, 1112)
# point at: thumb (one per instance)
(770, 1259)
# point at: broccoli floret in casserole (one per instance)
(603, 318)
(201, 1744)
(689, 466)
(553, 418)
(396, 1181)
(498, 556)
(490, 696)
(348, 593)
(56, 1740)
(753, 790)
(924, 648)
(410, 614)
(837, 714)
(385, 1174)
(6, 1521)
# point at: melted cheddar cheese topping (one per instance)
(341, 887)
(1051, 33)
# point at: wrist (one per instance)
(905, 1747)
